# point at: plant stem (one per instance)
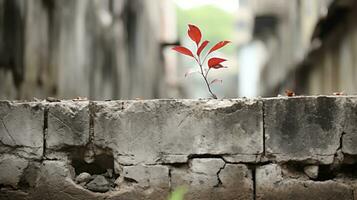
(207, 72)
(209, 88)
(205, 77)
(198, 60)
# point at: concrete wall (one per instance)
(278, 148)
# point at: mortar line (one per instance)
(254, 183)
(263, 119)
(44, 131)
(91, 123)
(170, 181)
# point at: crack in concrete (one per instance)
(254, 183)
(341, 141)
(263, 121)
(7, 131)
(193, 156)
(64, 123)
(170, 181)
(90, 146)
(44, 131)
(184, 119)
(91, 122)
(220, 184)
(11, 146)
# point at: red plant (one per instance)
(213, 63)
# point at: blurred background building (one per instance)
(303, 45)
(121, 49)
(100, 49)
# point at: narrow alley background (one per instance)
(121, 49)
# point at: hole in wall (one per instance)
(325, 173)
(96, 173)
(293, 169)
(349, 171)
(100, 165)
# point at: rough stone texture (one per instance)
(236, 181)
(68, 124)
(55, 176)
(270, 184)
(54, 182)
(30, 175)
(98, 184)
(303, 128)
(349, 138)
(206, 166)
(145, 149)
(148, 176)
(144, 182)
(312, 171)
(83, 177)
(149, 131)
(11, 169)
(21, 128)
(213, 179)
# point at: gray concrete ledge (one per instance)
(293, 147)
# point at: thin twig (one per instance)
(198, 60)
(206, 81)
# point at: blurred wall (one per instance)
(284, 28)
(286, 32)
(312, 47)
(102, 49)
(332, 66)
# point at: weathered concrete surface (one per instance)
(158, 130)
(148, 176)
(21, 128)
(12, 168)
(271, 184)
(214, 179)
(303, 128)
(55, 176)
(349, 138)
(68, 124)
(152, 181)
(129, 150)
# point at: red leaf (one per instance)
(194, 33)
(219, 45)
(215, 63)
(183, 50)
(219, 66)
(202, 47)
